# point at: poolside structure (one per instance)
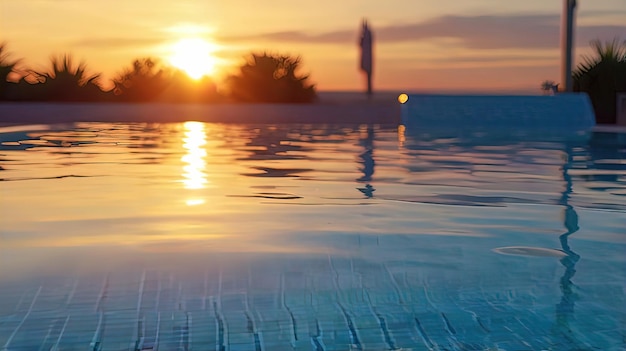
(561, 114)
(621, 109)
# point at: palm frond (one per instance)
(602, 75)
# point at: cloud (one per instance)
(531, 31)
(604, 33)
(482, 32)
(496, 58)
(613, 12)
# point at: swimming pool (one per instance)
(309, 237)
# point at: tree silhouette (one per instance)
(602, 76)
(273, 79)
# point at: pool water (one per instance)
(309, 237)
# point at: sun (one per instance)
(195, 56)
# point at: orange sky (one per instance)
(419, 45)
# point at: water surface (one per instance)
(309, 237)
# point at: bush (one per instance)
(67, 82)
(143, 82)
(7, 67)
(184, 89)
(64, 81)
(271, 79)
(148, 81)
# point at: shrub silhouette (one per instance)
(66, 82)
(143, 82)
(549, 87)
(7, 67)
(184, 89)
(602, 76)
(264, 78)
(148, 81)
(272, 79)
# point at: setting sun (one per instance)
(194, 56)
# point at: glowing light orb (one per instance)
(403, 98)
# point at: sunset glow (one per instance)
(456, 46)
(194, 56)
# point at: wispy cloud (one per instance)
(481, 32)
(497, 58)
(537, 31)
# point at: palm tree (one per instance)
(272, 79)
(602, 76)
(65, 81)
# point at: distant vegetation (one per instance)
(267, 78)
(148, 81)
(7, 67)
(603, 76)
(63, 81)
(262, 79)
(142, 82)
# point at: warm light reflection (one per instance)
(195, 139)
(401, 135)
(194, 202)
(194, 56)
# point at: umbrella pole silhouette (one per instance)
(367, 57)
(565, 308)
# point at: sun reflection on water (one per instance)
(401, 135)
(194, 202)
(194, 176)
